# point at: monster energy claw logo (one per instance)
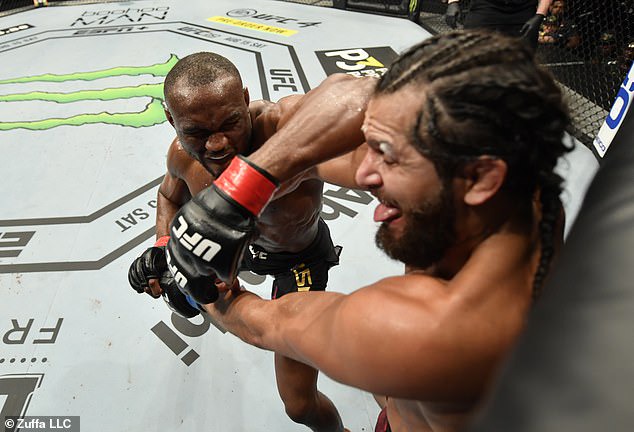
(152, 114)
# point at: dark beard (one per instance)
(429, 232)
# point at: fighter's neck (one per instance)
(481, 233)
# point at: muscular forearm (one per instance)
(237, 311)
(278, 325)
(165, 211)
(341, 170)
(326, 125)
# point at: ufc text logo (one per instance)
(200, 246)
(180, 278)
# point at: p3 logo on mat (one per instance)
(357, 61)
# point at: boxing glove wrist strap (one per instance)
(247, 184)
(162, 241)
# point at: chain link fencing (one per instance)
(587, 44)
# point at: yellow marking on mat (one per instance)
(252, 26)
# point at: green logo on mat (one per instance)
(152, 114)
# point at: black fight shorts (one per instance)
(306, 270)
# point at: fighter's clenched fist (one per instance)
(151, 267)
(211, 232)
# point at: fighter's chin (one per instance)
(393, 229)
(387, 238)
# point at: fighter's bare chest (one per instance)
(293, 210)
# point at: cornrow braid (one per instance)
(551, 207)
(485, 95)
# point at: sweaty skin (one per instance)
(290, 230)
(434, 355)
(289, 222)
(430, 339)
(215, 122)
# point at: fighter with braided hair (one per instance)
(518, 112)
(462, 136)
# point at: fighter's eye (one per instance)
(197, 133)
(387, 152)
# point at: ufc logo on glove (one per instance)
(179, 277)
(200, 246)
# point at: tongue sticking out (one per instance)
(384, 213)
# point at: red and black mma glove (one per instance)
(211, 232)
(152, 264)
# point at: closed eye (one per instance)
(196, 133)
(387, 152)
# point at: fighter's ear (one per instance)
(247, 99)
(484, 177)
(168, 115)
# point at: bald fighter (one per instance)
(463, 135)
(216, 123)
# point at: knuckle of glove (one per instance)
(224, 209)
(150, 265)
(210, 235)
(137, 276)
(183, 260)
(154, 263)
(203, 289)
(174, 298)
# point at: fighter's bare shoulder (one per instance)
(266, 116)
(179, 162)
(426, 328)
(270, 116)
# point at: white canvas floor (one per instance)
(82, 148)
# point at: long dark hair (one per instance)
(485, 95)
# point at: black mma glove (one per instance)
(152, 264)
(453, 15)
(211, 232)
(530, 30)
(178, 302)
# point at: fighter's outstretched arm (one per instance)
(341, 170)
(383, 338)
(213, 229)
(326, 123)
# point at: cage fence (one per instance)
(587, 44)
